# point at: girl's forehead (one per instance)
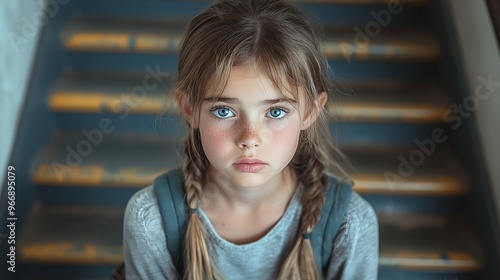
(251, 82)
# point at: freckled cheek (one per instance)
(285, 140)
(215, 142)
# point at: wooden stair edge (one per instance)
(109, 164)
(72, 235)
(413, 241)
(384, 184)
(431, 260)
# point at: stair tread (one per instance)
(392, 101)
(154, 37)
(70, 234)
(118, 160)
(363, 2)
(415, 241)
(109, 93)
(439, 174)
(133, 161)
(371, 101)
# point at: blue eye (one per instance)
(222, 112)
(276, 113)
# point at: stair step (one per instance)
(391, 101)
(109, 161)
(164, 38)
(333, 12)
(108, 93)
(65, 271)
(132, 161)
(427, 242)
(393, 44)
(70, 274)
(370, 101)
(406, 170)
(86, 235)
(364, 2)
(71, 234)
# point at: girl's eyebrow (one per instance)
(237, 101)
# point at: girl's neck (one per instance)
(222, 193)
(243, 215)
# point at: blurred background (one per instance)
(416, 110)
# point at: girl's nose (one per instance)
(249, 137)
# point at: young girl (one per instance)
(252, 85)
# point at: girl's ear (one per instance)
(185, 107)
(313, 114)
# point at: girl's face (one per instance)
(250, 134)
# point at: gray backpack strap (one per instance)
(337, 198)
(169, 191)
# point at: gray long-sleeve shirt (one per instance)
(355, 249)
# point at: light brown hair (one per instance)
(278, 38)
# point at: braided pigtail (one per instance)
(199, 265)
(300, 262)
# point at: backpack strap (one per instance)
(170, 194)
(337, 198)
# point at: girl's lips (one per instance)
(249, 165)
(249, 161)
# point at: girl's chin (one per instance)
(249, 180)
(245, 179)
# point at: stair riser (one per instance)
(342, 69)
(421, 205)
(32, 271)
(168, 126)
(395, 273)
(185, 10)
(85, 195)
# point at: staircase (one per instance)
(91, 134)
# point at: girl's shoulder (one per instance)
(144, 201)
(356, 247)
(142, 215)
(360, 210)
(146, 198)
(144, 240)
(359, 229)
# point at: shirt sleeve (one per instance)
(144, 244)
(356, 247)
